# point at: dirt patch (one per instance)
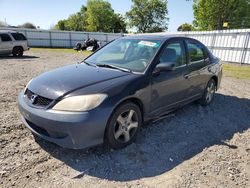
(194, 147)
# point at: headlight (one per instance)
(80, 103)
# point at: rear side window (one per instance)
(5, 37)
(18, 36)
(196, 52)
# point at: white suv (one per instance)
(12, 42)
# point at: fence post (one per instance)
(70, 40)
(213, 42)
(245, 48)
(107, 38)
(50, 40)
(25, 33)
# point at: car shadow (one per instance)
(23, 57)
(163, 145)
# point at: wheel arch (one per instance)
(134, 100)
(215, 78)
(17, 47)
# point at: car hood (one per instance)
(62, 81)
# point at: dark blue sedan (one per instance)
(107, 97)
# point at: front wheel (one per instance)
(208, 94)
(123, 126)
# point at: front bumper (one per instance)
(74, 130)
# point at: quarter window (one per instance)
(18, 36)
(5, 37)
(174, 53)
(195, 51)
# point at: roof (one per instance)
(152, 37)
(8, 31)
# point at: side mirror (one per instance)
(164, 67)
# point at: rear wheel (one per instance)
(208, 94)
(17, 52)
(123, 126)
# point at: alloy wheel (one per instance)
(210, 92)
(126, 126)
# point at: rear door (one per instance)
(198, 61)
(6, 43)
(168, 89)
(20, 40)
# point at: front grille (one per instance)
(39, 100)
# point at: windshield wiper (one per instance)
(90, 64)
(113, 67)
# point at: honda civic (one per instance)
(108, 96)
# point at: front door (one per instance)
(171, 87)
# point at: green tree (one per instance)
(61, 25)
(185, 27)
(211, 14)
(119, 24)
(148, 15)
(75, 22)
(98, 15)
(28, 25)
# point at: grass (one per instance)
(236, 71)
(60, 50)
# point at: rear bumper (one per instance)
(74, 130)
(26, 48)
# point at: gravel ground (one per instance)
(193, 147)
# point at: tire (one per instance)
(123, 126)
(208, 93)
(17, 52)
(78, 46)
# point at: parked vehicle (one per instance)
(12, 42)
(108, 96)
(89, 44)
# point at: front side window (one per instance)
(131, 54)
(18, 36)
(174, 53)
(195, 51)
(5, 37)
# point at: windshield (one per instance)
(131, 54)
